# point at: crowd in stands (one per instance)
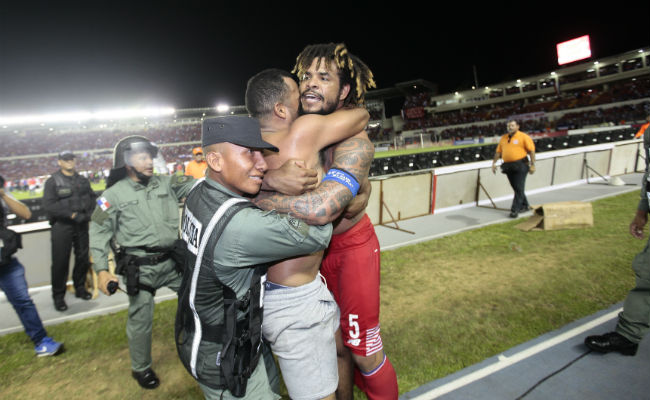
(94, 146)
(599, 96)
(42, 141)
(488, 130)
(417, 100)
(94, 166)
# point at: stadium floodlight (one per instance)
(222, 108)
(134, 113)
(42, 118)
(81, 116)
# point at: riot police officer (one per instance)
(68, 201)
(138, 215)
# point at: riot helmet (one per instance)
(128, 152)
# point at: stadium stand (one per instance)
(618, 94)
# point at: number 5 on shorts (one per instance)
(354, 326)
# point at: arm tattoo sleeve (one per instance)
(355, 156)
(325, 202)
(317, 207)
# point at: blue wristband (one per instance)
(343, 177)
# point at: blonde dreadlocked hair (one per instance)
(352, 70)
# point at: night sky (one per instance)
(67, 56)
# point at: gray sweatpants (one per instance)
(300, 323)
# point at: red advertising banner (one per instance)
(414, 112)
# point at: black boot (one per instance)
(82, 293)
(611, 341)
(60, 305)
(147, 378)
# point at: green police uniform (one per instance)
(634, 320)
(252, 238)
(137, 215)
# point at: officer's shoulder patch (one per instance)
(103, 203)
(180, 179)
(99, 216)
(298, 225)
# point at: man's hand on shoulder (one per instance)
(292, 178)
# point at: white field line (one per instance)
(504, 362)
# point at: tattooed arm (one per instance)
(327, 201)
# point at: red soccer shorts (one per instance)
(351, 267)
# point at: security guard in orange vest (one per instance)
(515, 147)
(196, 168)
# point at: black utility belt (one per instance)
(151, 260)
(520, 161)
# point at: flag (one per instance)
(103, 203)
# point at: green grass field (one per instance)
(26, 195)
(403, 152)
(445, 305)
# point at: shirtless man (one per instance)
(300, 314)
(332, 78)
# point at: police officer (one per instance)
(68, 201)
(138, 214)
(225, 268)
(634, 321)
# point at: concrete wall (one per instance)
(407, 197)
(625, 159)
(36, 257)
(455, 188)
(417, 193)
(458, 185)
(568, 168)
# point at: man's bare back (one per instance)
(299, 270)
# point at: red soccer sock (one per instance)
(358, 380)
(380, 383)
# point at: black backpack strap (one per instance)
(242, 350)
